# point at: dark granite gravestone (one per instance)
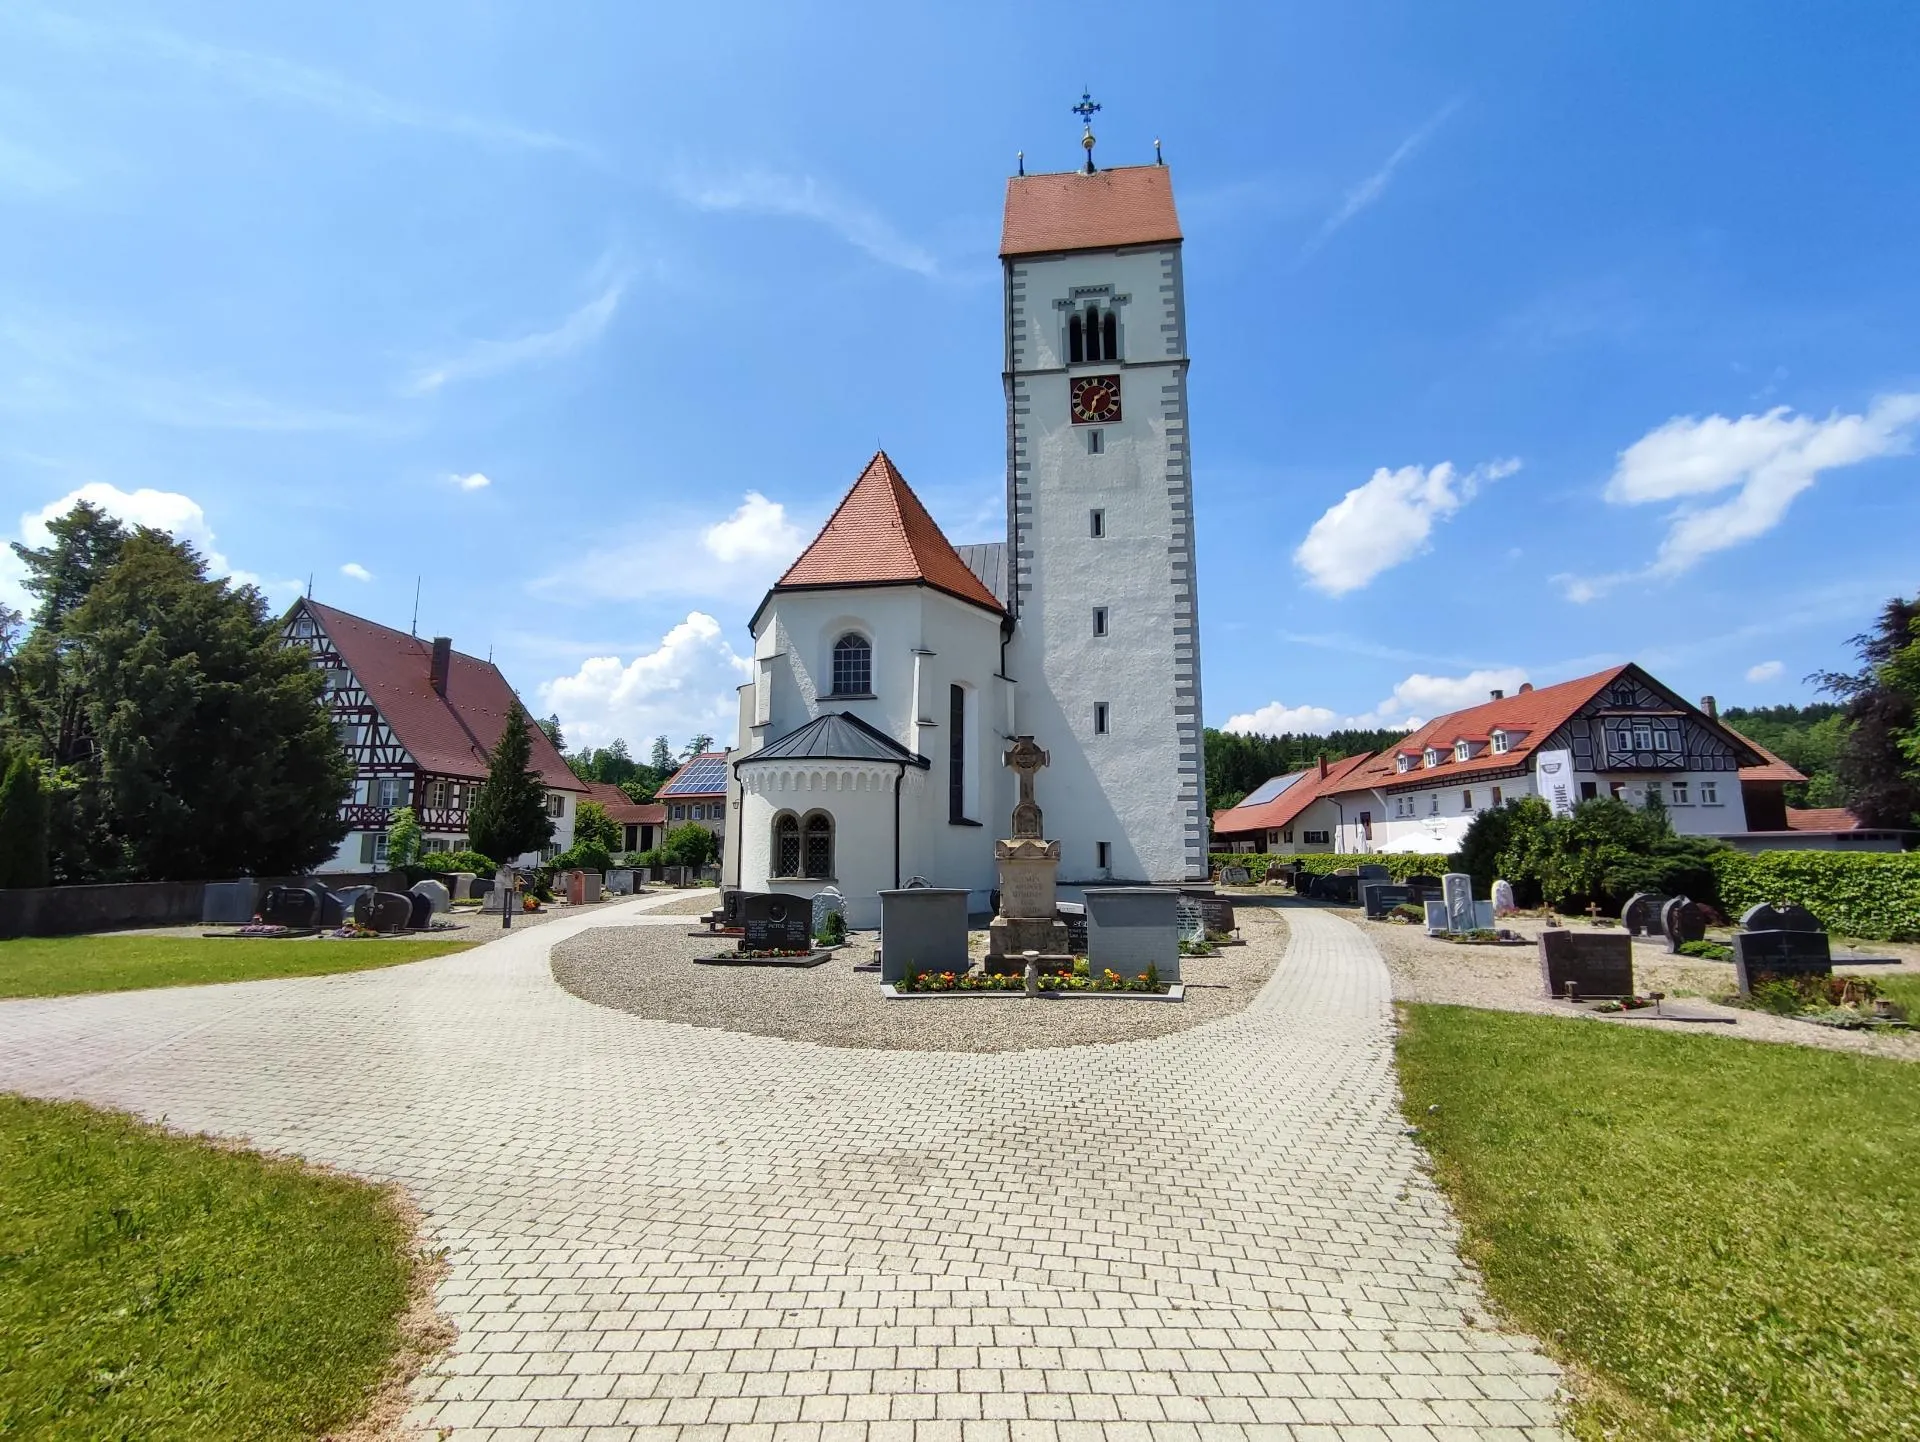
(1130, 928)
(1235, 876)
(730, 907)
(1426, 883)
(1779, 953)
(1342, 887)
(480, 888)
(1373, 871)
(1216, 915)
(421, 911)
(1767, 917)
(1599, 964)
(774, 921)
(1074, 914)
(1682, 921)
(228, 903)
(337, 907)
(1641, 914)
(924, 928)
(383, 911)
(1380, 898)
(296, 907)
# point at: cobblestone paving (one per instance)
(665, 1234)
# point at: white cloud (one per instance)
(355, 571)
(683, 686)
(737, 557)
(179, 516)
(1275, 718)
(761, 192)
(1766, 460)
(1766, 671)
(1376, 526)
(1420, 697)
(484, 358)
(1374, 186)
(472, 481)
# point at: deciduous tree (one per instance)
(1880, 781)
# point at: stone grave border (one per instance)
(1176, 991)
(733, 958)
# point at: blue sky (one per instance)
(1524, 340)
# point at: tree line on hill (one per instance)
(615, 765)
(1237, 763)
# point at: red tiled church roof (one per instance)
(448, 735)
(880, 534)
(1271, 815)
(1132, 205)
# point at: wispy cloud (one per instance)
(763, 192)
(471, 481)
(354, 571)
(484, 358)
(1369, 191)
(268, 77)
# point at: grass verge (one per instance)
(164, 1286)
(1722, 1237)
(68, 965)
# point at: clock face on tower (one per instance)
(1096, 400)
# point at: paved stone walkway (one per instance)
(673, 1235)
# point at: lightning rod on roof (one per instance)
(413, 627)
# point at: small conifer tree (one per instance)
(509, 815)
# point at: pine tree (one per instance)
(662, 758)
(85, 543)
(23, 825)
(509, 815)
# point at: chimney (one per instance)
(1323, 766)
(1498, 694)
(1711, 707)
(1525, 686)
(442, 659)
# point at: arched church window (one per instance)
(1094, 352)
(786, 845)
(852, 666)
(1110, 336)
(819, 844)
(1076, 340)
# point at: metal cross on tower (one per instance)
(1086, 110)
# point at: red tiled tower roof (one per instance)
(881, 535)
(1132, 205)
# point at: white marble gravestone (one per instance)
(827, 902)
(1502, 896)
(1456, 888)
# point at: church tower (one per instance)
(1105, 656)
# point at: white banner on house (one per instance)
(1554, 779)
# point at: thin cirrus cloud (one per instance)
(485, 358)
(763, 192)
(1368, 192)
(1766, 671)
(1388, 520)
(1765, 460)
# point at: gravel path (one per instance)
(1508, 979)
(649, 971)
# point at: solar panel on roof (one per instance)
(1268, 790)
(704, 777)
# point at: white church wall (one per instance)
(1137, 787)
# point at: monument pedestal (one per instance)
(1028, 920)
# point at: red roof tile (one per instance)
(1271, 815)
(881, 534)
(1821, 818)
(622, 808)
(447, 735)
(1772, 769)
(1132, 205)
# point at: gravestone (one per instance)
(1130, 927)
(1598, 963)
(1456, 889)
(338, 906)
(710, 873)
(383, 911)
(227, 903)
(1437, 924)
(1641, 915)
(827, 901)
(1767, 917)
(479, 889)
(1426, 883)
(460, 885)
(1682, 921)
(1192, 923)
(1235, 876)
(923, 927)
(1780, 953)
(1503, 897)
(643, 876)
(1373, 871)
(436, 894)
(1380, 898)
(620, 881)
(676, 875)
(1073, 915)
(1342, 887)
(775, 921)
(1483, 916)
(421, 917)
(1216, 915)
(296, 907)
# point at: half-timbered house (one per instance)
(419, 719)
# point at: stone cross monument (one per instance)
(1029, 867)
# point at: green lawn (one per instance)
(65, 965)
(1904, 989)
(157, 1286)
(1722, 1236)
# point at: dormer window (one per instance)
(1463, 751)
(1433, 756)
(1093, 334)
(1403, 763)
(1500, 743)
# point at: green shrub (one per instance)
(1706, 950)
(1400, 865)
(459, 861)
(587, 855)
(690, 845)
(1875, 895)
(1602, 854)
(833, 931)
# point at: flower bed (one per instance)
(777, 956)
(1147, 986)
(1851, 1003)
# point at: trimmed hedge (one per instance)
(1872, 895)
(1400, 865)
